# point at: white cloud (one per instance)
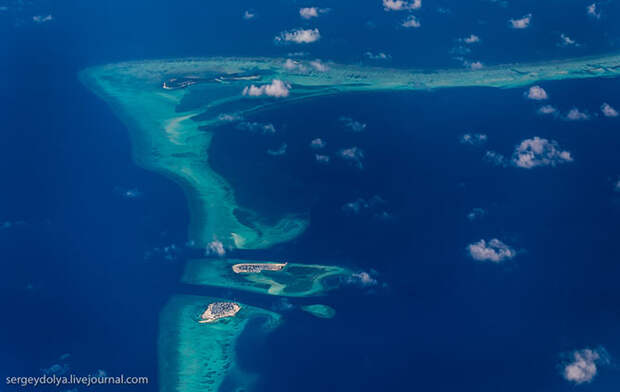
(547, 109)
(324, 159)
(476, 213)
(354, 155)
(308, 12)
(460, 50)
(522, 23)
(247, 15)
(608, 111)
(263, 128)
(319, 66)
(292, 65)
(538, 152)
(354, 207)
(299, 36)
(280, 151)
(227, 117)
(215, 248)
(297, 54)
(537, 93)
(126, 193)
(277, 88)
(362, 205)
(472, 39)
(473, 65)
(318, 143)
(132, 194)
(42, 18)
(565, 40)
(576, 115)
(374, 207)
(363, 279)
(170, 252)
(593, 11)
(494, 250)
(475, 139)
(401, 5)
(312, 12)
(476, 65)
(411, 22)
(354, 125)
(583, 366)
(495, 158)
(378, 56)
(56, 369)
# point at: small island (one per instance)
(320, 311)
(236, 77)
(202, 356)
(219, 310)
(179, 83)
(255, 268)
(172, 108)
(265, 277)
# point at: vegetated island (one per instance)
(320, 311)
(219, 310)
(197, 356)
(283, 279)
(172, 106)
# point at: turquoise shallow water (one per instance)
(172, 136)
(99, 266)
(179, 150)
(194, 356)
(437, 301)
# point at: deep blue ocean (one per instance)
(85, 268)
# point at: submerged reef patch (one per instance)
(320, 311)
(171, 108)
(289, 280)
(195, 356)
